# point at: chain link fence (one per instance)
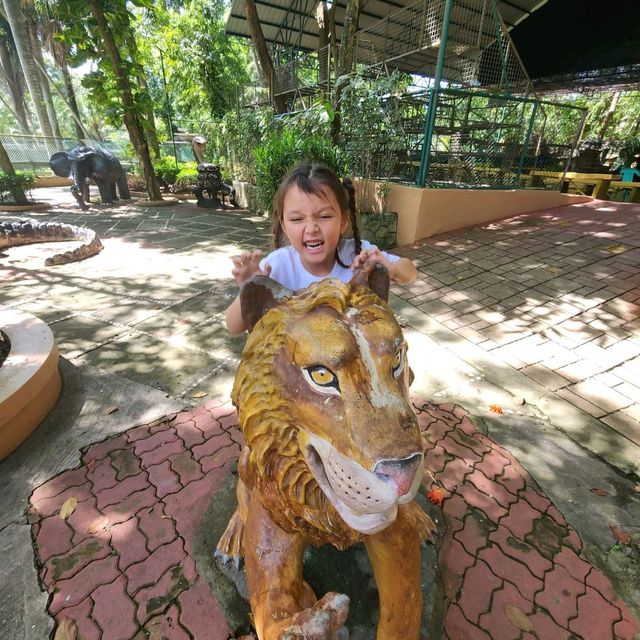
(478, 140)
(478, 51)
(32, 153)
(494, 141)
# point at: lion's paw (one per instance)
(422, 523)
(231, 543)
(323, 621)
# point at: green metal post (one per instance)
(430, 120)
(503, 55)
(532, 119)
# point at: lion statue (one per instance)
(333, 455)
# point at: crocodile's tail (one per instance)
(13, 234)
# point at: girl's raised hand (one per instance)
(246, 265)
(370, 256)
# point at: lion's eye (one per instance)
(322, 379)
(396, 363)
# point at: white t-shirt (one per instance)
(288, 270)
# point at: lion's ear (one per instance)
(257, 296)
(374, 276)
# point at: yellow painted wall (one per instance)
(423, 213)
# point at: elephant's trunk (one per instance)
(80, 188)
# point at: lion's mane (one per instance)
(280, 473)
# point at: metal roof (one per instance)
(292, 23)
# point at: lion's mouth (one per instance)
(364, 501)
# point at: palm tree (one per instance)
(11, 72)
(50, 28)
(28, 10)
(16, 19)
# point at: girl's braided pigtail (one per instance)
(277, 234)
(353, 216)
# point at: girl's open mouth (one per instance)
(314, 244)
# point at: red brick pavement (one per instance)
(122, 565)
(510, 562)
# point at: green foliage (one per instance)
(628, 148)
(20, 181)
(235, 140)
(80, 35)
(282, 151)
(202, 65)
(166, 170)
(187, 177)
(178, 178)
(371, 132)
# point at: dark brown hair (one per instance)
(317, 180)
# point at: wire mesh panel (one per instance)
(416, 28)
(251, 95)
(478, 49)
(304, 73)
(554, 134)
(495, 141)
(32, 153)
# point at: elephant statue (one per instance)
(85, 164)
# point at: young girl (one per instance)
(312, 211)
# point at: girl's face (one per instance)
(313, 224)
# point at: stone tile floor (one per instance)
(554, 294)
(542, 306)
(122, 565)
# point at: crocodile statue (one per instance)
(13, 234)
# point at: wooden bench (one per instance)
(632, 190)
(601, 182)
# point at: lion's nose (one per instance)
(400, 471)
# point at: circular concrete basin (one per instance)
(30, 382)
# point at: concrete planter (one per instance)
(380, 228)
(52, 181)
(32, 206)
(246, 195)
(29, 378)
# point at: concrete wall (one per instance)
(426, 212)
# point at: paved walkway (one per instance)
(555, 295)
(529, 324)
(124, 562)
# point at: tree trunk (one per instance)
(149, 122)
(131, 121)
(72, 102)
(346, 59)
(8, 71)
(16, 21)
(150, 128)
(615, 98)
(262, 53)
(348, 40)
(19, 195)
(324, 36)
(44, 78)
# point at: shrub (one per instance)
(17, 182)
(136, 182)
(167, 170)
(281, 152)
(187, 177)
